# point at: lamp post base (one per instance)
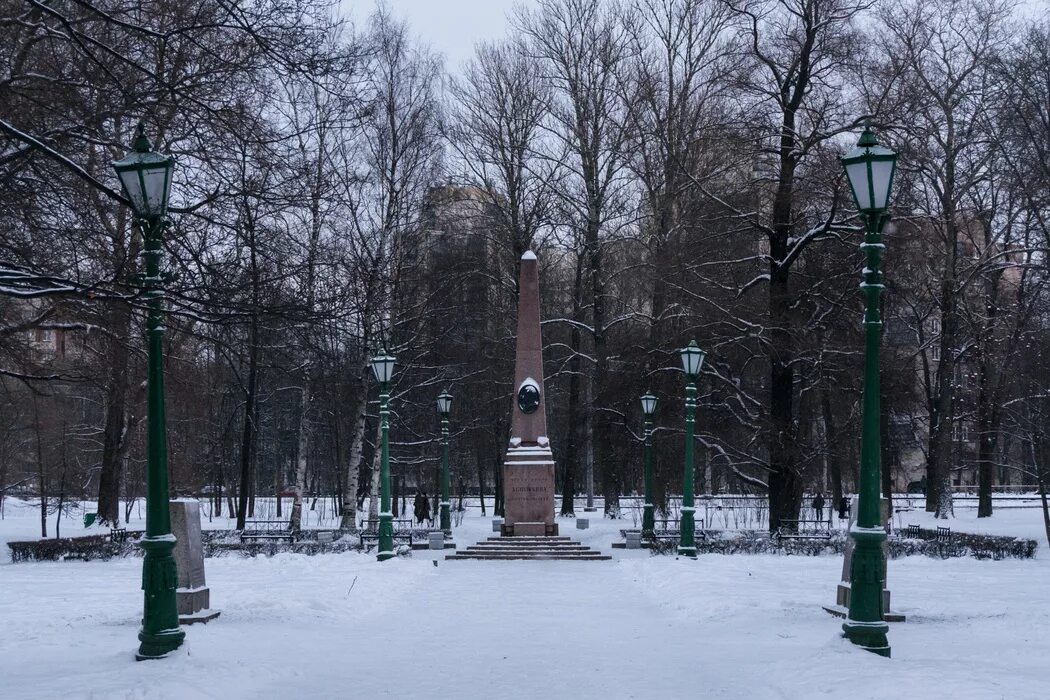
(386, 536)
(160, 634)
(865, 625)
(868, 636)
(687, 542)
(159, 645)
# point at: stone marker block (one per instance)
(497, 524)
(437, 539)
(634, 539)
(192, 597)
(842, 593)
(325, 537)
(583, 523)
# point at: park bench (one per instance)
(801, 529)
(671, 530)
(403, 532)
(273, 530)
(911, 532)
(118, 535)
(944, 535)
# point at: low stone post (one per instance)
(192, 597)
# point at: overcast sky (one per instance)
(451, 27)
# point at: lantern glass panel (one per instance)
(155, 187)
(881, 178)
(383, 367)
(858, 181)
(145, 177)
(692, 359)
(648, 404)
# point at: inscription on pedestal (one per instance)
(528, 493)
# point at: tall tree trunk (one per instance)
(40, 470)
(353, 464)
(938, 468)
(572, 452)
(598, 426)
(115, 429)
(373, 490)
(886, 470)
(831, 437)
(481, 480)
(248, 427)
(296, 519)
(785, 487)
(1041, 474)
(988, 419)
(497, 469)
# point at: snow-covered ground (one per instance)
(345, 626)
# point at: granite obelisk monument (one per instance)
(528, 469)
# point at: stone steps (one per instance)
(526, 541)
(535, 548)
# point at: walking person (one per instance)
(818, 505)
(421, 507)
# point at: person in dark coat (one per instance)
(421, 507)
(843, 508)
(818, 505)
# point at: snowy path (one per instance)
(557, 629)
(733, 627)
(346, 626)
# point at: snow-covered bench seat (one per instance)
(802, 529)
(267, 530)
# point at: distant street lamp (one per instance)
(692, 360)
(648, 408)
(145, 177)
(444, 405)
(870, 169)
(383, 368)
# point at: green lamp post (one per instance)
(648, 409)
(444, 405)
(145, 177)
(869, 169)
(692, 360)
(383, 368)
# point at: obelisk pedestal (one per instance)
(192, 596)
(528, 469)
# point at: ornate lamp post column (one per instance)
(145, 177)
(383, 368)
(692, 360)
(444, 404)
(870, 169)
(648, 408)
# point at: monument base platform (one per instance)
(527, 529)
(541, 548)
(839, 611)
(202, 616)
(192, 600)
(841, 606)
